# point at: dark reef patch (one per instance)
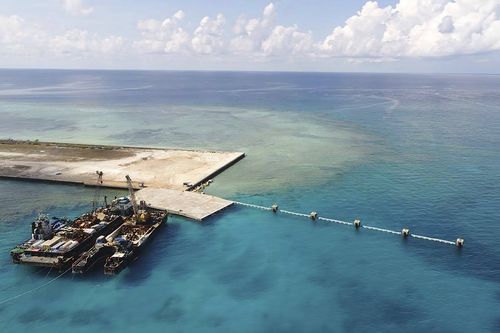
(169, 310)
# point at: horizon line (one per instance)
(242, 71)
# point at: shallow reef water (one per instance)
(417, 151)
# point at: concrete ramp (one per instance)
(192, 205)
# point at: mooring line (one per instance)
(357, 224)
(8, 299)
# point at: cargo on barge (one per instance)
(58, 248)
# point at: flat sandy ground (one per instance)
(160, 168)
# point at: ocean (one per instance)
(395, 150)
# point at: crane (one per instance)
(132, 195)
(95, 202)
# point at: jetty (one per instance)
(165, 177)
(192, 205)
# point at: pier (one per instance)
(192, 205)
(164, 177)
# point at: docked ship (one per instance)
(57, 243)
(58, 247)
(117, 249)
(131, 237)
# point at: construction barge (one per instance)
(117, 249)
(112, 234)
(59, 247)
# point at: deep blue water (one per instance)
(417, 151)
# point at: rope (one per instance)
(381, 230)
(34, 289)
(252, 206)
(367, 227)
(433, 239)
(293, 213)
(334, 221)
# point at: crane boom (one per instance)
(132, 194)
(95, 201)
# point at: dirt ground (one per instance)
(161, 168)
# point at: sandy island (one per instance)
(78, 163)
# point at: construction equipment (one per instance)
(95, 201)
(132, 195)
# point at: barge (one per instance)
(117, 249)
(124, 243)
(111, 235)
(130, 238)
(58, 248)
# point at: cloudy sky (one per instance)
(313, 35)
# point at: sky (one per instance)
(443, 36)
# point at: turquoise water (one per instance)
(421, 151)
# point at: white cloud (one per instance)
(262, 36)
(112, 44)
(77, 42)
(208, 37)
(163, 37)
(77, 8)
(20, 37)
(409, 29)
(418, 28)
(286, 40)
(412, 28)
(251, 33)
(446, 26)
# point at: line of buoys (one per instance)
(313, 216)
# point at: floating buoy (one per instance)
(405, 232)
(459, 242)
(274, 208)
(357, 223)
(313, 216)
